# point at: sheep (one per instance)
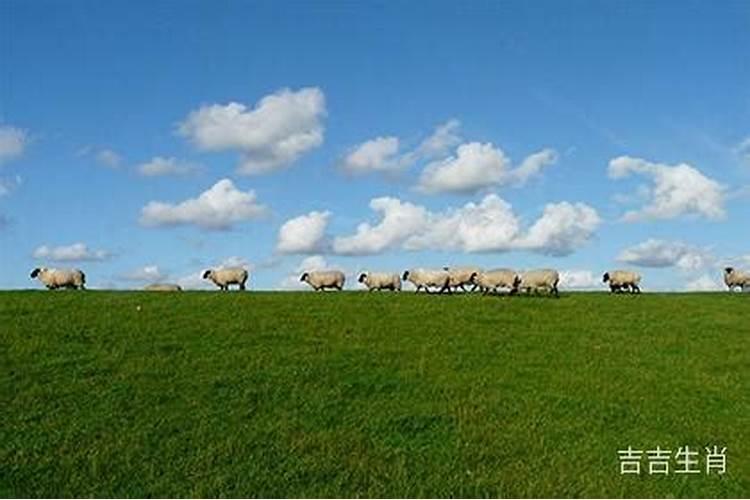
(536, 279)
(381, 281)
(428, 278)
(736, 278)
(321, 280)
(227, 276)
(60, 278)
(460, 276)
(490, 281)
(163, 287)
(619, 280)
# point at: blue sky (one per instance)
(583, 136)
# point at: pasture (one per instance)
(124, 394)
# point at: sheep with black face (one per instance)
(60, 278)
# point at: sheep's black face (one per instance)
(362, 278)
(605, 278)
(35, 273)
(473, 277)
(304, 277)
(728, 270)
(516, 282)
(206, 274)
(405, 276)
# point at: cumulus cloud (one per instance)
(70, 253)
(705, 283)
(303, 234)
(276, 132)
(13, 142)
(160, 166)
(217, 208)
(384, 155)
(661, 253)
(580, 280)
(477, 166)
(150, 273)
(677, 190)
(487, 226)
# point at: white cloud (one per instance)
(303, 234)
(376, 155)
(677, 190)
(108, 158)
(150, 273)
(705, 283)
(277, 131)
(219, 207)
(383, 154)
(443, 139)
(74, 252)
(159, 166)
(477, 166)
(580, 279)
(489, 226)
(660, 253)
(13, 142)
(562, 228)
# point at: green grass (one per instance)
(350, 394)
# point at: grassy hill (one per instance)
(350, 394)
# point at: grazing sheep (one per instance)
(227, 276)
(460, 276)
(736, 278)
(381, 281)
(60, 278)
(490, 281)
(163, 287)
(321, 280)
(426, 278)
(537, 279)
(619, 280)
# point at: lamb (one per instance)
(426, 278)
(321, 280)
(736, 278)
(227, 276)
(537, 279)
(619, 280)
(490, 281)
(60, 278)
(381, 281)
(163, 287)
(460, 276)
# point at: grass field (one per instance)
(350, 394)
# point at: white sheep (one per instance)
(321, 280)
(619, 280)
(736, 278)
(163, 287)
(426, 278)
(227, 276)
(60, 278)
(459, 277)
(537, 279)
(381, 281)
(491, 281)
